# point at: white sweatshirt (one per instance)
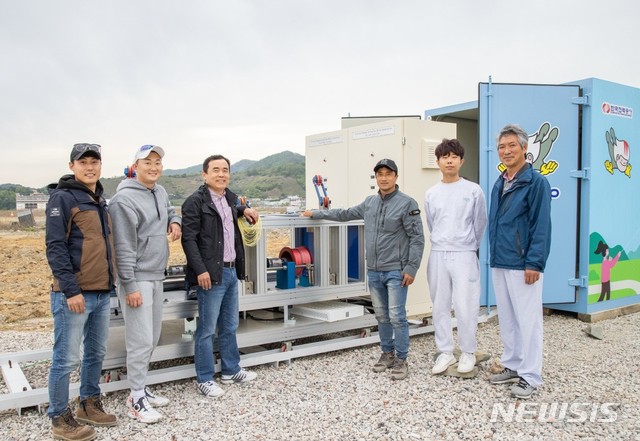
(456, 215)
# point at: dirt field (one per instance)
(25, 277)
(24, 281)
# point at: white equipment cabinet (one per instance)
(345, 160)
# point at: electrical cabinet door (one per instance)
(550, 116)
(368, 144)
(326, 156)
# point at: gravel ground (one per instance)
(337, 396)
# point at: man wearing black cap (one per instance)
(80, 254)
(394, 242)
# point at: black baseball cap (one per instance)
(84, 149)
(389, 163)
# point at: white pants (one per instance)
(454, 276)
(142, 327)
(520, 317)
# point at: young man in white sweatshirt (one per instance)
(142, 217)
(456, 216)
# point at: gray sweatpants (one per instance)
(142, 327)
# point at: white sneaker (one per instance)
(443, 361)
(210, 389)
(155, 400)
(466, 363)
(241, 376)
(142, 411)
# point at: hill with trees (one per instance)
(274, 177)
(8, 195)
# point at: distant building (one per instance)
(296, 204)
(34, 201)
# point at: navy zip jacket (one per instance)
(78, 238)
(520, 222)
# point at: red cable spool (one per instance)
(298, 255)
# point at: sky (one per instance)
(250, 78)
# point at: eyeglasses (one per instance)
(86, 147)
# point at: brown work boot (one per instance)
(65, 427)
(91, 411)
(385, 361)
(400, 369)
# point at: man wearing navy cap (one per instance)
(80, 254)
(394, 242)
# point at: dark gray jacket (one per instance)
(394, 238)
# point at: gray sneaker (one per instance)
(522, 390)
(506, 376)
(400, 369)
(385, 362)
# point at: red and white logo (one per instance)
(617, 110)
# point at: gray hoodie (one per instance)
(141, 218)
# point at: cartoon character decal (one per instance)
(539, 146)
(619, 154)
(608, 262)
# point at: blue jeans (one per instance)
(389, 300)
(218, 306)
(70, 330)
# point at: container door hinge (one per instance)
(585, 173)
(582, 100)
(581, 282)
(404, 140)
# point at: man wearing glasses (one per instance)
(80, 254)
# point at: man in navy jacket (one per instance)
(80, 254)
(520, 239)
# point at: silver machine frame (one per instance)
(330, 282)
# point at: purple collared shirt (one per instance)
(220, 201)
